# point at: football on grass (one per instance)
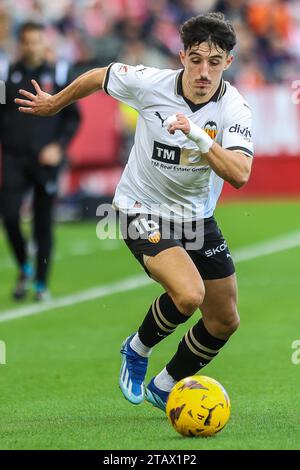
(198, 406)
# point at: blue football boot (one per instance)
(132, 373)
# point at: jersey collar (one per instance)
(195, 107)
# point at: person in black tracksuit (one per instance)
(32, 153)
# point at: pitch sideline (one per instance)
(257, 250)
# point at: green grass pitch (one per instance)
(59, 387)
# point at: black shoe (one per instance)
(22, 287)
(42, 294)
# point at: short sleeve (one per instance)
(127, 83)
(237, 133)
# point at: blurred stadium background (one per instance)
(59, 386)
(83, 34)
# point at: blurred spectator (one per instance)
(137, 52)
(5, 46)
(269, 16)
(32, 153)
(98, 32)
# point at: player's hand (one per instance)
(180, 124)
(51, 155)
(40, 104)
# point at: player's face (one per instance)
(33, 47)
(204, 66)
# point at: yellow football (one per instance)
(198, 406)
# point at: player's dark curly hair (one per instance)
(212, 28)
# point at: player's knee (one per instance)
(232, 324)
(188, 302)
(225, 326)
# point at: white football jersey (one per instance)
(166, 174)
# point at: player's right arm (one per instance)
(43, 104)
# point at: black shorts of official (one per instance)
(212, 259)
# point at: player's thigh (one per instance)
(214, 259)
(157, 247)
(174, 269)
(219, 308)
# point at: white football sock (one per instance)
(137, 345)
(164, 381)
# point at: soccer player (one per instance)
(32, 151)
(193, 132)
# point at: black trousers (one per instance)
(19, 174)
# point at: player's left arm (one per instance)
(233, 166)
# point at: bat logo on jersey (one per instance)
(159, 117)
(154, 237)
(210, 127)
